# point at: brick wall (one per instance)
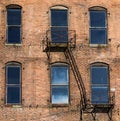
(36, 104)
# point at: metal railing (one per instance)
(111, 99)
(85, 104)
(59, 38)
(67, 39)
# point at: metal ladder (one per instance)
(69, 56)
(84, 105)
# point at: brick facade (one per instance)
(36, 105)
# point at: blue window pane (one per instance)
(99, 75)
(59, 75)
(100, 95)
(13, 75)
(14, 16)
(59, 18)
(98, 36)
(14, 35)
(59, 94)
(13, 95)
(97, 18)
(59, 34)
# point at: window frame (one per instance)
(18, 65)
(105, 28)
(60, 85)
(14, 6)
(100, 65)
(57, 27)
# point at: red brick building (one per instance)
(59, 60)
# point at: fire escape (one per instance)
(67, 47)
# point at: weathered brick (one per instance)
(35, 69)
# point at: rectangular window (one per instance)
(98, 27)
(100, 85)
(59, 26)
(59, 85)
(13, 85)
(13, 25)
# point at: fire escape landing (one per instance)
(54, 43)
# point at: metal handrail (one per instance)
(111, 99)
(67, 37)
(70, 42)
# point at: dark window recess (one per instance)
(59, 85)
(13, 85)
(100, 85)
(13, 26)
(13, 95)
(14, 16)
(100, 95)
(59, 26)
(97, 18)
(13, 75)
(98, 36)
(59, 18)
(98, 27)
(59, 34)
(14, 34)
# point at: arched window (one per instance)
(59, 24)
(98, 25)
(13, 24)
(99, 83)
(13, 83)
(59, 83)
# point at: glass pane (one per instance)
(13, 95)
(59, 34)
(14, 16)
(13, 75)
(59, 94)
(97, 18)
(100, 95)
(59, 18)
(14, 35)
(98, 36)
(99, 75)
(59, 75)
